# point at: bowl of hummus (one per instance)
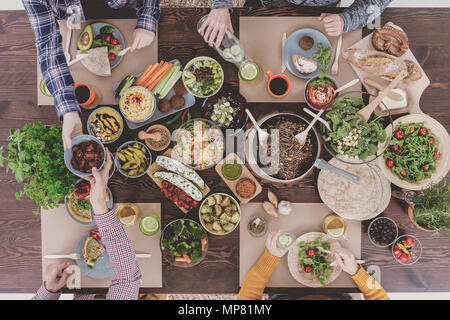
(137, 104)
(319, 92)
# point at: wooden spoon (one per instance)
(262, 135)
(367, 111)
(142, 135)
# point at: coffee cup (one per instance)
(85, 94)
(278, 85)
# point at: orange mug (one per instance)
(278, 85)
(90, 99)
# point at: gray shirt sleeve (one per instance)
(217, 4)
(361, 12)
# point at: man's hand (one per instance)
(55, 276)
(271, 244)
(346, 260)
(72, 128)
(142, 38)
(98, 182)
(214, 27)
(333, 23)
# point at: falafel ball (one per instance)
(177, 101)
(179, 88)
(164, 105)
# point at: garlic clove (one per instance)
(270, 209)
(272, 198)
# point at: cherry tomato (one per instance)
(396, 247)
(426, 168)
(430, 140)
(114, 41)
(310, 252)
(422, 131)
(307, 269)
(390, 163)
(395, 147)
(403, 173)
(404, 242)
(410, 241)
(403, 257)
(399, 134)
(111, 56)
(437, 154)
(107, 38)
(397, 253)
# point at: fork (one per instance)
(301, 137)
(334, 68)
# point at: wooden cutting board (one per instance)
(414, 88)
(155, 168)
(245, 174)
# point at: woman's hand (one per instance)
(346, 260)
(142, 38)
(271, 244)
(333, 23)
(55, 276)
(98, 182)
(214, 27)
(71, 128)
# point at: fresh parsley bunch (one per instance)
(35, 154)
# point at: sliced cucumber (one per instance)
(44, 89)
(235, 50)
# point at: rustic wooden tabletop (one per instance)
(20, 238)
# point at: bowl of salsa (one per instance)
(319, 92)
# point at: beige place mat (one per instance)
(304, 218)
(60, 235)
(132, 63)
(414, 88)
(261, 39)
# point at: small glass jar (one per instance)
(257, 226)
(285, 239)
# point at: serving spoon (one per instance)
(301, 137)
(263, 136)
(312, 114)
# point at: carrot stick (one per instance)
(163, 69)
(204, 242)
(147, 74)
(188, 259)
(180, 259)
(154, 83)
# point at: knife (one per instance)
(283, 41)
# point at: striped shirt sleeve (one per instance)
(126, 275)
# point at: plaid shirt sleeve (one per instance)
(126, 275)
(44, 294)
(148, 15)
(51, 55)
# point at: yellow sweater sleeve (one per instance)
(369, 287)
(256, 279)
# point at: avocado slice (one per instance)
(85, 39)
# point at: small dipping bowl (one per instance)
(68, 155)
(163, 128)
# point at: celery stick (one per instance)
(166, 77)
(169, 85)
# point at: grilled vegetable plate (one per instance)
(181, 183)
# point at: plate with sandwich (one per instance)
(306, 52)
(78, 205)
(94, 260)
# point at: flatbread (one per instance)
(347, 199)
(97, 62)
(308, 279)
(75, 213)
(92, 250)
(385, 193)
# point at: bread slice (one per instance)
(382, 64)
(303, 64)
(92, 250)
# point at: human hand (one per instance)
(346, 260)
(333, 23)
(142, 38)
(271, 244)
(214, 27)
(55, 276)
(71, 128)
(98, 182)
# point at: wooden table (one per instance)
(20, 243)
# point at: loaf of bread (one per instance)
(382, 64)
(391, 39)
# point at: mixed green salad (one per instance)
(203, 77)
(184, 241)
(412, 152)
(351, 136)
(312, 259)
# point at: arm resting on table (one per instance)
(256, 279)
(126, 275)
(369, 287)
(361, 12)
